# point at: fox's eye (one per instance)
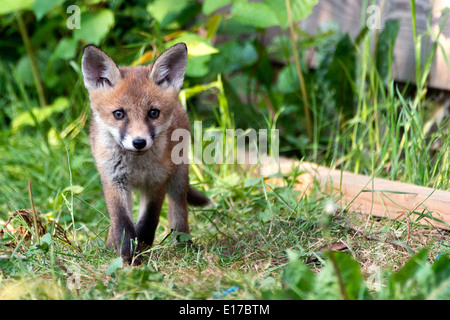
(154, 113)
(119, 114)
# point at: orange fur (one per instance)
(132, 148)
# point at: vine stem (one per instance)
(301, 80)
(34, 68)
(36, 230)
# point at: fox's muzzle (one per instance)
(139, 143)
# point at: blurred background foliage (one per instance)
(224, 37)
(238, 75)
(247, 68)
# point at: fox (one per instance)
(134, 111)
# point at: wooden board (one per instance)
(373, 196)
(350, 16)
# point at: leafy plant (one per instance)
(341, 279)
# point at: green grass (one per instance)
(240, 242)
(257, 239)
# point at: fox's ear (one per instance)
(99, 70)
(168, 70)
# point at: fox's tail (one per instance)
(196, 198)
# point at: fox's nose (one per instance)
(139, 143)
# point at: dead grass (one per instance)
(379, 243)
(233, 248)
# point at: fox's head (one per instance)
(134, 104)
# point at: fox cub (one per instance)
(134, 112)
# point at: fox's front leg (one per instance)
(178, 206)
(122, 234)
(149, 211)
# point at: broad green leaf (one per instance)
(137, 279)
(256, 14)
(287, 79)
(182, 237)
(440, 288)
(408, 271)
(66, 49)
(22, 71)
(404, 282)
(197, 66)
(419, 279)
(197, 46)
(292, 255)
(212, 25)
(40, 114)
(199, 52)
(209, 6)
(337, 73)
(299, 279)
(300, 10)
(350, 273)
(252, 182)
(264, 70)
(45, 242)
(265, 215)
(115, 265)
(9, 6)
(46, 239)
(233, 56)
(76, 189)
(348, 270)
(95, 26)
(7, 267)
(164, 11)
(41, 7)
(200, 48)
(385, 48)
(53, 137)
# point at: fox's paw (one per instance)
(132, 260)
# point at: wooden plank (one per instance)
(350, 16)
(373, 196)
